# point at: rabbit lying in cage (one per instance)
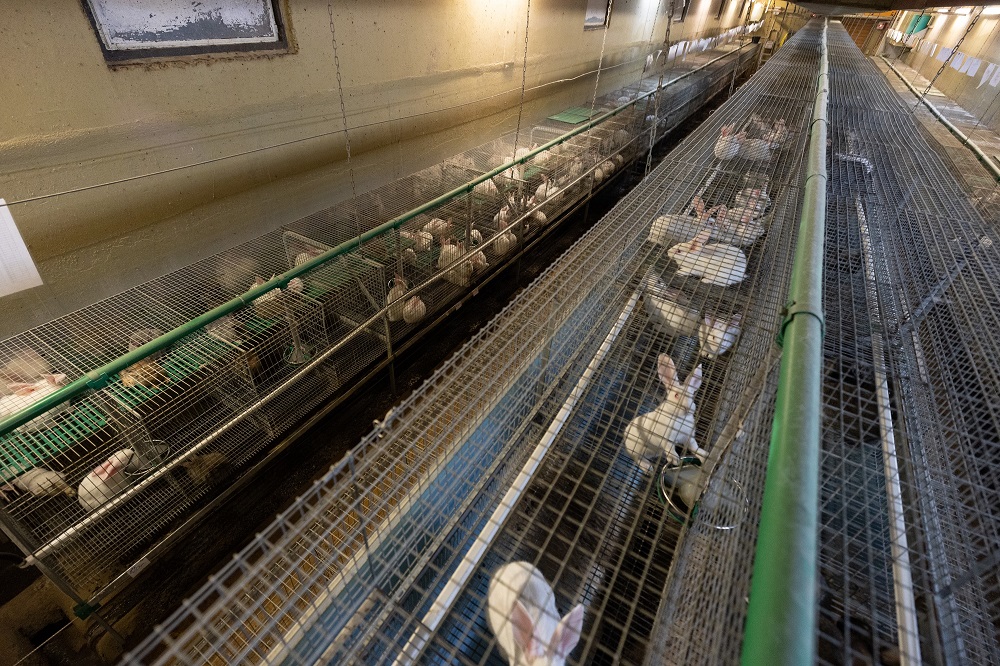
(669, 426)
(714, 263)
(523, 616)
(39, 482)
(25, 365)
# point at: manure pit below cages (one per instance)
(169, 580)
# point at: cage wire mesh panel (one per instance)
(528, 445)
(910, 392)
(90, 487)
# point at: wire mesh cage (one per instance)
(546, 441)
(92, 485)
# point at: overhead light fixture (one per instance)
(991, 10)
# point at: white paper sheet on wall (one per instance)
(17, 270)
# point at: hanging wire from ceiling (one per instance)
(343, 114)
(524, 76)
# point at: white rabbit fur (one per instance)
(729, 143)
(718, 336)
(522, 614)
(461, 274)
(414, 310)
(667, 307)
(24, 394)
(670, 425)
(110, 478)
(41, 482)
(668, 229)
(394, 299)
(25, 365)
(715, 263)
(756, 150)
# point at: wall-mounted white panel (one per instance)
(17, 270)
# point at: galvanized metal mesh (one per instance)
(910, 520)
(94, 486)
(515, 450)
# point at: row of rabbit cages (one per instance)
(77, 458)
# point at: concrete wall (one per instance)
(120, 174)
(976, 94)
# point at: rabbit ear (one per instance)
(694, 381)
(56, 380)
(20, 388)
(698, 241)
(568, 632)
(522, 626)
(668, 373)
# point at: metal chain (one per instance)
(524, 76)
(944, 64)
(343, 114)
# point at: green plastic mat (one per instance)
(575, 115)
(21, 451)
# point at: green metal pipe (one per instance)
(781, 617)
(959, 134)
(99, 378)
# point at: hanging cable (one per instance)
(343, 114)
(524, 76)
(950, 57)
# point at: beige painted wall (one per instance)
(982, 42)
(205, 153)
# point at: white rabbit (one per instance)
(540, 218)
(757, 150)
(303, 257)
(503, 218)
(777, 136)
(486, 188)
(42, 482)
(753, 197)
(269, 304)
(728, 144)
(718, 335)
(475, 237)
(422, 240)
(505, 242)
(462, 272)
(24, 394)
(394, 299)
(438, 227)
(669, 229)
(667, 307)
(478, 261)
(26, 365)
(737, 226)
(107, 480)
(598, 175)
(621, 138)
(547, 190)
(409, 256)
(716, 263)
(670, 425)
(523, 616)
(414, 310)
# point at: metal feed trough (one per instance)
(307, 313)
(515, 449)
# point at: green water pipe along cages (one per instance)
(520, 456)
(543, 440)
(96, 487)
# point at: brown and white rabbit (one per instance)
(715, 263)
(669, 426)
(718, 336)
(523, 616)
